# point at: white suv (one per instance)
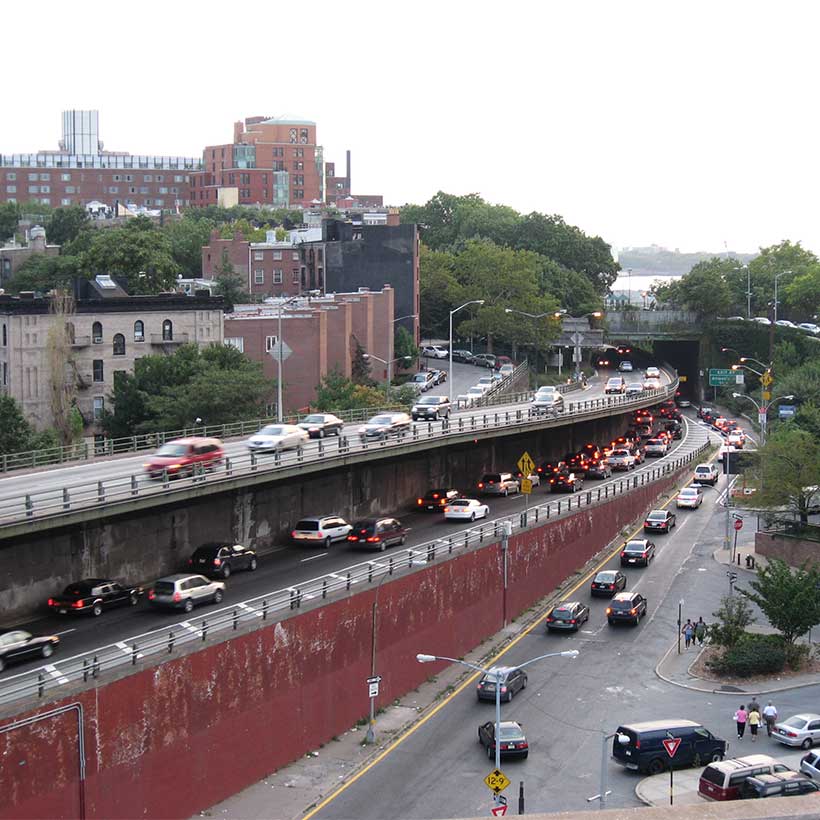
(706, 474)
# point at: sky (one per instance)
(691, 126)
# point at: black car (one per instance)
(92, 596)
(439, 376)
(673, 428)
(567, 616)
(780, 784)
(597, 468)
(436, 500)
(463, 356)
(22, 646)
(512, 740)
(659, 521)
(566, 482)
(636, 552)
(319, 425)
(512, 680)
(607, 583)
(626, 607)
(220, 559)
(377, 533)
(706, 413)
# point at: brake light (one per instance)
(352, 537)
(177, 597)
(550, 618)
(612, 586)
(435, 495)
(217, 562)
(419, 501)
(623, 555)
(633, 611)
(52, 602)
(637, 744)
(572, 621)
(190, 562)
(609, 610)
(791, 734)
(503, 689)
(373, 539)
(480, 485)
(151, 594)
(293, 534)
(78, 604)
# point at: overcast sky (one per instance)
(686, 125)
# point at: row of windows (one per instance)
(259, 276)
(259, 255)
(119, 339)
(11, 176)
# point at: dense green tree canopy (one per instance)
(66, 224)
(9, 215)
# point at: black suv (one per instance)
(377, 533)
(628, 607)
(220, 559)
(436, 500)
(512, 680)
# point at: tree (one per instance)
(404, 347)
(66, 224)
(360, 366)
(789, 471)
(802, 294)
(733, 616)
(335, 392)
(705, 289)
(789, 598)
(229, 284)
(786, 257)
(15, 432)
(439, 292)
(9, 217)
(187, 237)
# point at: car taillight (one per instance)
(637, 744)
(352, 537)
(623, 555)
(647, 523)
(151, 594)
(523, 745)
(791, 734)
(78, 604)
(633, 611)
(609, 610)
(52, 602)
(612, 586)
(572, 621)
(177, 596)
(293, 534)
(373, 539)
(419, 501)
(217, 562)
(480, 485)
(190, 562)
(550, 619)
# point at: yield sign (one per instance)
(671, 745)
(499, 811)
(738, 523)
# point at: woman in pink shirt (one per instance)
(741, 716)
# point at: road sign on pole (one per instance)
(526, 486)
(526, 465)
(497, 781)
(373, 686)
(500, 810)
(671, 745)
(766, 379)
(786, 411)
(738, 523)
(761, 416)
(719, 377)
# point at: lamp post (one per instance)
(389, 365)
(572, 653)
(762, 412)
(452, 313)
(389, 350)
(624, 741)
(748, 292)
(279, 359)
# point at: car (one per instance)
(439, 376)
(625, 366)
(385, 425)
(621, 459)
(512, 681)
(465, 509)
(736, 439)
(184, 457)
(436, 500)
(463, 356)
(512, 740)
(484, 360)
(607, 583)
(221, 559)
(568, 615)
(634, 389)
(547, 400)
(639, 746)
(320, 529)
(423, 381)
(377, 533)
(597, 467)
(535, 478)
(489, 381)
(723, 450)
(810, 765)
(785, 323)
(92, 596)
(185, 591)
(689, 498)
(506, 370)
(652, 373)
(566, 482)
(784, 784)
(659, 521)
(706, 474)
(644, 431)
(500, 361)
(431, 407)
(762, 320)
(656, 447)
(637, 551)
(706, 413)
(18, 645)
(434, 352)
(471, 396)
(726, 779)
(276, 438)
(801, 730)
(498, 484)
(319, 425)
(615, 385)
(651, 384)
(682, 401)
(809, 327)
(627, 607)
(735, 318)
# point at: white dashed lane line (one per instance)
(58, 676)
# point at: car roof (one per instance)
(91, 582)
(179, 576)
(659, 725)
(804, 716)
(319, 517)
(747, 760)
(624, 596)
(195, 440)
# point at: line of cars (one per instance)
(632, 387)
(807, 327)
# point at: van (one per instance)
(725, 780)
(498, 484)
(644, 752)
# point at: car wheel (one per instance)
(525, 755)
(2, 665)
(96, 610)
(509, 697)
(505, 493)
(321, 434)
(382, 547)
(696, 761)
(252, 566)
(328, 542)
(637, 620)
(133, 599)
(806, 744)
(655, 766)
(402, 540)
(716, 756)
(218, 596)
(47, 651)
(188, 605)
(472, 517)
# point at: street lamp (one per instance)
(624, 741)
(389, 365)
(757, 362)
(452, 313)
(762, 412)
(393, 322)
(748, 292)
(572, 653)
(279, 400)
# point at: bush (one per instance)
(752, 655)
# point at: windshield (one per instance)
(307, 525)
(473, 391)
(172, 450)
(420, 377)
(313, 419)
(614, 381)
(429, 400)
(380, 420)
(271, 430)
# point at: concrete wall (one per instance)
(159, 741)
(794, 551)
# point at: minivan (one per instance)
(724, 780)
(498, 484)
(644, 750)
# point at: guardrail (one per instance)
(103, 493)
(362, 575)
(503, 386)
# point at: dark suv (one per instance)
(431, 407)
(220, 559)
(93, 596)
(377, 533)
(626, 607)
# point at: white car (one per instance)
(706, 474)
(506, 370)
(651, 384)
(490, 381)
(762, 320)
(434, 352)
(656, 447)
(723, 450)
(736, 439)
(621, 460)
(653, 373)
(461, 509)
(471, 396)
(278, 437)
(689, 497)
(634, 389)
(785, 323)
(810, 327)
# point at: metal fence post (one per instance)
(134, 488)
(66, 499)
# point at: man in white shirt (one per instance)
(770, 716)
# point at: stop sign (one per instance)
(738, 524)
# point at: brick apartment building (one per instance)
(81, 172)
(110, 331)
(318, 335)
(13, 255)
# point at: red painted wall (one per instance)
(171, 740)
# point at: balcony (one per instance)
(179, 339)
(80, 341)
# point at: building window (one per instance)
(99, 407)
(11, 189)
(139, 331)
(98, 375)
(270, 343)
(147, 178)
(259, 277)
(114, 189)
(167, 331)
(45, 177)
(65, 177)
(236, 341)
(277, 277)
(296, 276)
(117, 178)
(5, 374)
(129, 177)
(11, 177)
(32, 177)
(34, 189)
(258, 256)
(244, 179)
(296, 256)
(96, 333)
(277, 254)
(298, 193)
(119, 345)
(298, 166)
(5, 336)
(177, 178)
(70, 189)
(65, 202)
(299, 152)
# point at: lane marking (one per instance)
(312, 557)
(191, 628)
(58, 676)
(248, 608)
(127, 649)
(66, 631)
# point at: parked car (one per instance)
(762, 320)
(484, 360)
(615, 385)
(319, 425)
(810, 327)
(500, 361)
(725, 779)
(320, 529)
(465, 509)
(277, 437)
(431, 407)
(567, 616)
(689, 498)
(17, 645)
(423, 381)
(92, 596)
(471, 396)
(434, 352)
(511, 679)
(547, 399)
(439, 376)
(506, 370)
(385, 425)
(185, 591)
(512, 740)
(810, 765)
(784, 784)
(221, 559)
(659, 521)
(607, 582)
(377, 533)
(706, 474)
(801, 730)
(498, 484)
(436, 500)
(463, 356)
(184, 456)
(785, 323)
(626, 607)
(637, 551)
(656, 447)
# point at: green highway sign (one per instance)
(718, 377)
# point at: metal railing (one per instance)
(503, 387)
(360, 576)
(55, 502)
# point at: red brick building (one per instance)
(318, 335)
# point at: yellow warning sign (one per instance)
(526, 486)
(766, 379)
(497, 781)
(526, 465)
(767, 396)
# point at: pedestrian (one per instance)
(770, 716)
(754, 722)
(700, 631)
(741, 716)
(754, 705)
(688, 632)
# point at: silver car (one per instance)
(621, 460)
(185, 591)
(801, 730)
(384, 425)
(547, 400)
(279, 437)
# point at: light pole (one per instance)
(452, 313)
(279, 359)
(576, 353)
(762, 412)
(629, 271)
(572, 653)
(748, 292)
(392, 349)
(776, 279)
(389, 365)
(624, 741)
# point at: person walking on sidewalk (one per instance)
(754, 723)
(688, 632)
(741, 716)
(770, 716)
(754, 706)
(700, 631)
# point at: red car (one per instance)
(184, 456)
